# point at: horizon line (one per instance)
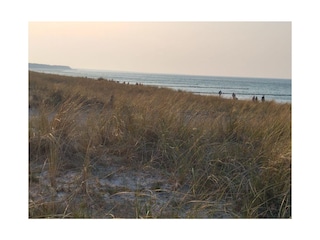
(164, 73)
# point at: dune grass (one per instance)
(225, 154)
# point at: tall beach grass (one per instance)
(225, 154)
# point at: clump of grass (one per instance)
(227, 156)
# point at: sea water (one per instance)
(278, 90)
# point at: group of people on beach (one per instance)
(254, 98)
(234, 97)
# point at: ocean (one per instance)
(278, 90)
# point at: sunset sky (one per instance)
(243, 49)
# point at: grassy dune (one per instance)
(100, 149)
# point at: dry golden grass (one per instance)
(222, 154)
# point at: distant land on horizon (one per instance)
(44, 67)
(47, 66)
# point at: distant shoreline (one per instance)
(47, 66)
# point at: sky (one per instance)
(240, 49)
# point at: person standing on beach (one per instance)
(233, 95)
(220, 93)
(262, 99)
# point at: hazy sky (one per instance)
(248, 49)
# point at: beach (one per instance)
(278, 90)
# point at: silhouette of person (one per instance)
(233, 95)
(220, 93)
(262, 99)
